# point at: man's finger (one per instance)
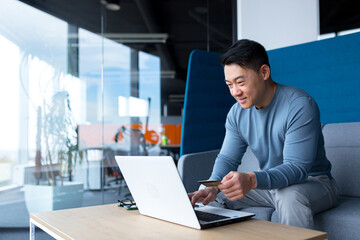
(226, 184)
(227, 177)
(207, 200)
(195, 198)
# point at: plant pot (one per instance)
(41, 198)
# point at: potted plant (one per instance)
(59, 132)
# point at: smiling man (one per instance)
(281, 125)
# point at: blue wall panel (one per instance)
(328, 70)
(207, 102)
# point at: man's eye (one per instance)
(229, 85)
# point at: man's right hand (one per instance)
(205, 196)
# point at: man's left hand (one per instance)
(235, 185)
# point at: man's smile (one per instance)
(241, 99)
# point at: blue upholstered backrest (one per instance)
(328, 70)
(207, 102)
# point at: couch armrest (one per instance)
(196, 166)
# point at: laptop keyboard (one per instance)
(209, 217)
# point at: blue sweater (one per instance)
(285, 137)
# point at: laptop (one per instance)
(158, 191)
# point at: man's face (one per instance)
(247, 86)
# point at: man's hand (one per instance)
(235, 185)
(205, 196)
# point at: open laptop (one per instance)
(158, 191)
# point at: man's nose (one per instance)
(236, 91)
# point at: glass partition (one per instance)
(78, 89)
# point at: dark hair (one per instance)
(246, 53)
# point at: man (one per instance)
(281, 125)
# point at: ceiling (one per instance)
(185, 21)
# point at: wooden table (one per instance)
(112, 222)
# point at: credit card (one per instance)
(210, 183)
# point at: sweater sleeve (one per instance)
(300, 146)
(232, 150)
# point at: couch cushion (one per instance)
(342, 146)
(341, 222)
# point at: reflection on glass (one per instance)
(133, 107)
(34, 64)
(43, 105)
(149, 88)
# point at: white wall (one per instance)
(278, 23)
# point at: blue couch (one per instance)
(342, 145)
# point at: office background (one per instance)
(88, 63)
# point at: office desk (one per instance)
(172, 150)
(112, 222)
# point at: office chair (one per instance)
(133, 145)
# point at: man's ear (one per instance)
(265, 71)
